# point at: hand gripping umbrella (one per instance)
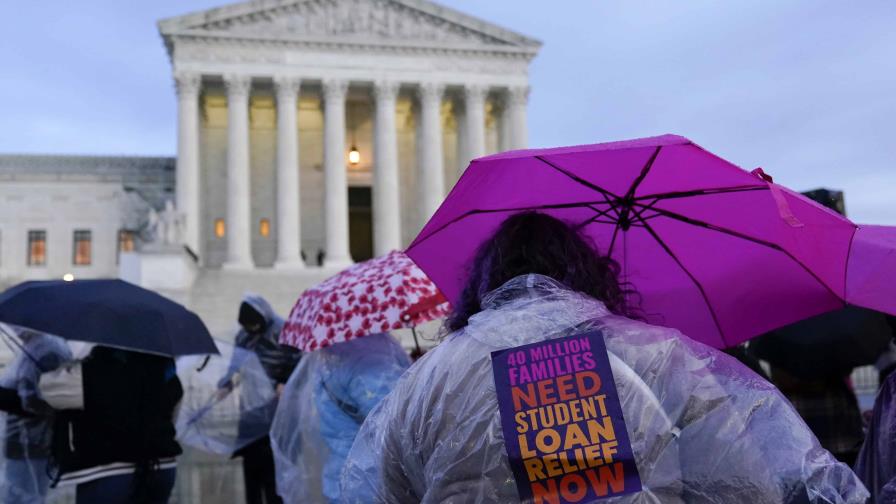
(383, 294)
(718, 252)
(107, 312)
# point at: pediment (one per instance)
(373, 21)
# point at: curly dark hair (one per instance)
(532, 242)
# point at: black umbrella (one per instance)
(832, 343)
(107, 312)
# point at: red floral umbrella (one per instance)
(379, 295)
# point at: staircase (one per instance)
(216, 293)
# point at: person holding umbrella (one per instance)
(812, 360)
(351, 362)
(259, 332)
(117, 442)
(121, 447)
(703, 428)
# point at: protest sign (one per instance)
(562, 421)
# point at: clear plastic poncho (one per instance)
(703, 428)
(27, 440)
(218, 419)
(322, 407)
(876, 464)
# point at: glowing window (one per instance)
(37, 247)
(81, 248)
(264, 227)
(219, 228)
(125, 241)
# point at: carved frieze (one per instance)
(367, 19)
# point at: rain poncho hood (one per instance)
(324, 404)
(703, 427)
(278, 360)
(262, 306)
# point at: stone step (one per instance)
(217, 293)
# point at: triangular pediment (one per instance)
(373, 21)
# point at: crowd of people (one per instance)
(359, 422)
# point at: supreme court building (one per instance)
(310, 134)
(331, 130)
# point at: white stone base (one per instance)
(294, 265)
(238, 266)
(337, 264)
(162, 270)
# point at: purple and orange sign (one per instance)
(562, 421)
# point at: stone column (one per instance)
(460, 116)
(431, 175)
(505, 141)
(239, 228)
(386, 199)
(289, 222)
(188, 198)
(474, 95)
(517, 100)
(335, 177)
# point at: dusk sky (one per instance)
(804, 89)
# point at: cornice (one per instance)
(219, 40)
(179, 24)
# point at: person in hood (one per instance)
(703, 427)
(325, 403)
(260, 333)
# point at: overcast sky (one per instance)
(805, 89)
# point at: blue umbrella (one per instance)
(107, 312)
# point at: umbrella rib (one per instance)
(758, 241)
(637, 216)
(578, 179)
(469, 213)
(690, 275)
(598, 214)
(644, 208)
(614, 207)
(644, 171)
(701, 192)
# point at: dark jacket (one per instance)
(129, 402)
(277, 360)
(10, 402)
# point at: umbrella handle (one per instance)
(204, 363)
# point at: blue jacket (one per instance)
(356, 377)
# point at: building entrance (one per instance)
(360, 223)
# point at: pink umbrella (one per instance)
(871, 279)
(382, 294)
(718, 252)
